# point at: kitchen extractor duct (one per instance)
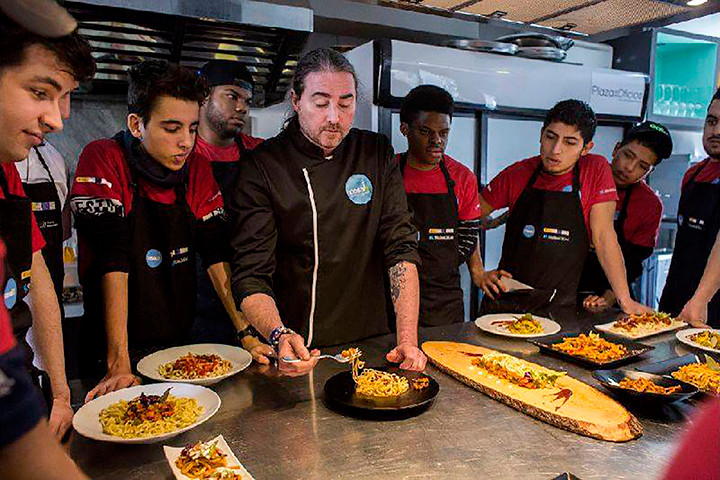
(267, 38)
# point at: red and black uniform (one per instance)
(446, 212)
(137, 217)
(698, 227)
(638, 214)
(212, 323)
(547, 236)
(21, 406)
(22, 238)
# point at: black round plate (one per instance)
(340, 396)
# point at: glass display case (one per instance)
(683, 72)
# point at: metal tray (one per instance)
(484, 46)
(635, 349)
(542, 53)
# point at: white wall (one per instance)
(708, 25)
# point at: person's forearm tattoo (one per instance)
(397, 280)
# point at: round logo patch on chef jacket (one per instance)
(11, 293)
(153, 258)
(359, 189)
(528, 231)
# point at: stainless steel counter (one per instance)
(280, 429)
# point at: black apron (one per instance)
(593, 280)
(436, 218)
(545, 246)
(161, 283)
(16, 230)
(698, 226)
(48, 212)
(212, 322)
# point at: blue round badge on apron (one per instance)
(153, 258)
(359, 189)
(680, 220)
(11, 293)
(528, 231)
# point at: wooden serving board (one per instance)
(586, 411)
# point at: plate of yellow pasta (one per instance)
(379, 392)
(200, 364)
(517, 325)
(146, 413)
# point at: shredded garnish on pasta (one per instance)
(591, 346)
(149, 415)
(705, 376)
(645, 385)
(192, 366)
(707, 339)
(374, 383)
(205, 460)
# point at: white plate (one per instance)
(607, 327)
(173, 453)
(684, 337)
(239, 358)
(87, 420)
(486, 323)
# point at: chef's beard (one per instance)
(219, 123)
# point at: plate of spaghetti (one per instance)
(379, 391)
(517, 326)
(702, 338)
(644, 387)
(642, 325)
(201, 364)
(593, 349)
(211, 460)
(146, 413)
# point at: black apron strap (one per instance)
(4, 185)
(622, 215)
(44, 164)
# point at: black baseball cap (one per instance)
(657, 137)
(227, 72)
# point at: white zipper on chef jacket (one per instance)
(313, 289)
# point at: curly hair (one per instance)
(152, 79)
(426, 98)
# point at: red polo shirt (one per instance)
(596, 183)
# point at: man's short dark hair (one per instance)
(152, 79)
(426, 98)
(72, 51)
(575, 113)
(716, 96)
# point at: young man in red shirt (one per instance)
(698, 227)
(637, 214)
(221, 142)
(559, 202)
(143, 207)
(37, 75)
(443, 196)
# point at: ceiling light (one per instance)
(695, 3)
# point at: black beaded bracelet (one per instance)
(248, 331)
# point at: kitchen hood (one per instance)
(267, 38)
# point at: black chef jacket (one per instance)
(319, 234)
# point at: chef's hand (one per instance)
(412, 357)
(599, 303)
(115, 379)
(292, 346)
(261, 352)
(490, 281)
(61, 415)
(695, 313)
(631, 307)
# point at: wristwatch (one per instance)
(248, 331)
(277, 333)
